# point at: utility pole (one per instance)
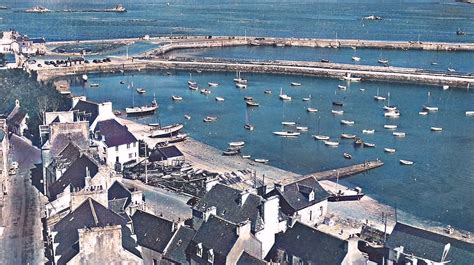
(146, 163)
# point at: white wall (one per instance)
(312, 215)
(271, 224)
(123, 153)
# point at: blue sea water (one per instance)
(438, 188)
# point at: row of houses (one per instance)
(93, 218)
(13, 42)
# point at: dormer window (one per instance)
(311, 196)
(210, 256)
(199, 250)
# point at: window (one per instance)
(210, 256)
(128, 146)
(155, 262)
(116, 159)
(116, 148)
(310, 215)
(135, 144)
(321, 209)
(130, 155)
(199, 250)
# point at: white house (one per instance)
(304, 200)
(116, 143)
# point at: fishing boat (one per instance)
(212, 84)
(389, 107)
(348, 136)
(231, 152)
(320, 136)
(164, 131)
(355, 58)
(261, 160)
(342, 87)
(378, 97)
(288, 123)
(331, 143)
(368, 131)
(237, 144)
(239, 79)
(347, 122)
(94, 85)
(423, 113)
(307, 98)
(205, 91)
(302, 128)
(406, 162)
(429, 108)
(141, 91)
(436, 129)
(191, 82)
(295, 84)
(372, 17)
(286, 133)
(187, 117)
(399, 134)
(248, 125)
(382, 61)
(389, 150)
(370, 145)
(251, 103)
(337, 112)
(142, 110)
(311, 110)
(267, 91)
(240, 85)
(284, 96)
(358, 142)
(193, 87)
(392, 114)
(176, 98)
(219, 99)
(210, 119)
(470, 113)
(338, 103)
(390, 126)
(347, 156)
(445, 87)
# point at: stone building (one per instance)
(17, 120)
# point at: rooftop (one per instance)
(152, 232)
(114, 133)
(86, 110)
(176, 250)
(164, 153)
(216, 234)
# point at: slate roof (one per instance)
(247, 259)
(176, 251)
(86, 110)
(119, 191)
(17, 117)
(115, 134)
(217, 234)
(309, 245)
(226, 200)
(63, 139)
(429, 245)
(69, 153)
(152, 231)
(89, 214)
(294, 196)
(164, 153)
(75, 175)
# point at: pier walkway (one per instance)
(345, 172)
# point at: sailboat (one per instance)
(427, 107)
(284, 96)
(142, 110)
(378, 97)
(309, 108)
(247, 125)
(389, 107)
(191, 82)
(320, 136)
(239, 79)
(335, 102)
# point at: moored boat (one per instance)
(436, 129)
(94, 85)
(371, 145)
(261, 160)
(378, 97)
(267, 91)
(219, 99)
(423, 113)
(368, 131)
(390, 126)
(210, 119)
(141, 91)
(470, 113)
(392, 114)
(355, 58)
(240, 85)
(187, 117)
(337, 112)
(382, 61)
(406, 162)
(445, 87)
(287, 133)
(348, 136)
(311, 110)
(347, 122)
(399, 134)
(284, 96)
(212, 84)
(193, 87)
(248, 98)
(338, 103)
(331, 143)
(295, 84)
(342, 87)
(288, 123)
(205, 91)
(430, 108)
(389, 150)
(347, 156)
(302, 128)
(251, 103)
(237, 144)
(176, 98)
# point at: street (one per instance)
(21, 241)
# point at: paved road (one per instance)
(21, 242)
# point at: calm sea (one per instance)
(437, 189)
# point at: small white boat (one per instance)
(192, 83)
(331, 143)
(470, 113)
(406, 162)
(251, 103)
(436, 129)
(392, 114)
(261, 160)
(347, 122)
(187, 117)
(219, 99)
(212, 84)
(240, 85)
(237, 144)
(288, 123)
(176, 98)
(210, 119)
(141, 91)
(246, 156)
(247, 98)
(342, 87)
(295, 84)
(355, 58)
(389, 150)
(378, 97)
(348, 136)
(337, 112)
(85, 77)
(286, 134)
(249, 127)
(370, 145)
(445, 87)
(423, 113)
(389, 108)
(383, 61)
(205, 91)
(430, 108)
(302, 128)
(390, 126)
(169, 130)
(268, 92)
(362, 89)
(239, 79)
(451, 69)
(193, 87)
(311, 110)
(321, 137)
(399, 134)
(347, 156)
(94, 85)
(368, 131)
(284, 96)
(307, 98)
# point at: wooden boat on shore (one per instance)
(231, 152)
(261, 160)
(340, 198)
(142, 110)
(406, 162)
(286, 134)
(331, 143)
(169, 130)
(389, 150)
(210, 119)
(347, 122)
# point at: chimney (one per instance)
(279, 186)
(243, 229)
(209, 211)
(87, 179)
